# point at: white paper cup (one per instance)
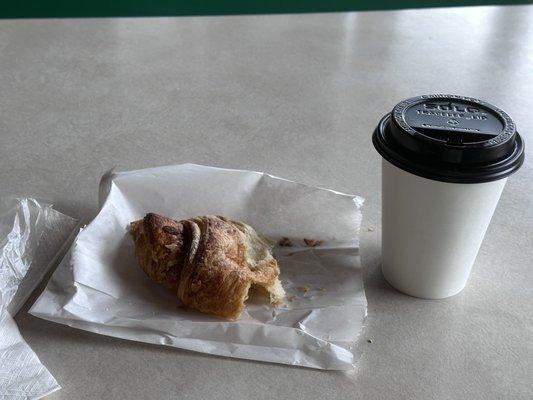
(436, 202)
(432, 231)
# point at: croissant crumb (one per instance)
(285, 242)
(313, 242)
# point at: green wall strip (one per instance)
(133, 8)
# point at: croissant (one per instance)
(211, 262)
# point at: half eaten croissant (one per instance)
(210, 261)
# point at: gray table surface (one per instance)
(297, 96)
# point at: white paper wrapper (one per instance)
(99, 286)
(32, 234)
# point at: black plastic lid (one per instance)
(450, 138)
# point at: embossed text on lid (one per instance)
(450, 138)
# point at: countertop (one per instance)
(297, 96)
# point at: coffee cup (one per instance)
(446, 160)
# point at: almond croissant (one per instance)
(210, 261)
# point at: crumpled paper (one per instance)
(32, 235)
(22, 376)
(99, 286)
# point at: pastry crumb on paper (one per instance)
(285, 242)
(313, 242)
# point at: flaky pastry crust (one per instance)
(211, 262)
